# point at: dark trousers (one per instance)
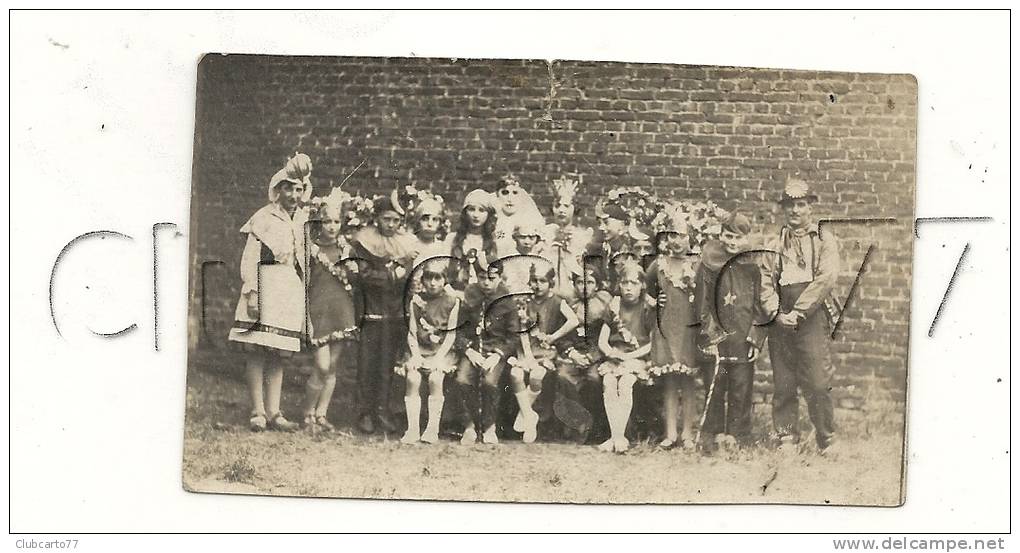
(801, 359)
(729, 411)
(478, 394)
(381, 342)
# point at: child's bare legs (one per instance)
(527, 418)
(254, 367)
(669, 400)
(610, 392)
(328, 386)
(274, 388)
(315, 386)
(535, 380)
(534, 390)
(625, 392)
(436, 399)
(688, 405)
(518, 385)
(412, 401)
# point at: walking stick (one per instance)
(710, 393)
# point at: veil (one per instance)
(527, 212)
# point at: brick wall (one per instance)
(726, 134)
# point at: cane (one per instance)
(711, 391)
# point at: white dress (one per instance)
(271, 265)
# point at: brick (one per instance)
(729, 134)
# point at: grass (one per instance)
(221, 455)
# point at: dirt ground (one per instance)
(221, 455)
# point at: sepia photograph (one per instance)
(549, 281)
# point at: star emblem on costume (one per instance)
(729, 298)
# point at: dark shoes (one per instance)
(365, 424)
(280, 424)
(317, 423)
(829, 448)
(369, 423)
(385, 423)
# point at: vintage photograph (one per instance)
(549, 281)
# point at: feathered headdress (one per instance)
(333, 205)
(407, 199)
(564, 189)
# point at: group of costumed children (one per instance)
(569, 318)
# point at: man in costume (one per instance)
(799, 280)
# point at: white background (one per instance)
(102, 122)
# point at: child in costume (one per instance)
(432, 330)
(516, 265)
(547, 319)
(487, 337)
(579, 404)
(625, 342)
(270, 315)
(429, 223)
(331, 311)
(733, 313)
(385, 251)
(567, 240)
(671, 278)
(514, 206)
(611, 246)
(473, 245)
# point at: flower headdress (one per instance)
(360, 212)
(797, 189)
(629, 266)
(702, 221)
(641, 208)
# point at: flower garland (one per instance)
(674, 368)
(337, 336)
(426, 331)
(616, 324)
(681, 273)
(338, 270)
